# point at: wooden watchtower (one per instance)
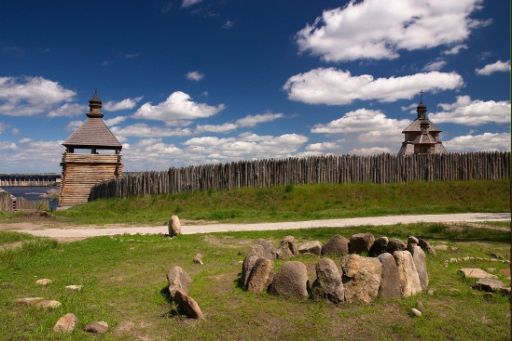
(99, 159)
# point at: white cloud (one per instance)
(228, 24)
(472, 112)
(498, 66)
(194, 76)
(178, 106)
(6, 145)
(248, 121)
(144, 130)
(188, 3)
(483, 142)
(27, 96)
(376, 29)
(115, 120)
(3, 126)
(436, 65)
(15, 131)
(73, 125)
(332, 86)
(34, 156)
(455, 49)
(125, 104)
(68, 110)
(369, 150)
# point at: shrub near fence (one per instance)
(333, 169)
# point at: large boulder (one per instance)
(409, 279)
(476, 273)
(269, 251)
(425, 245)
(261, 275)
(361, 242)
(336, 246)
(379, 246)
(187, 306)
(362, 276)
(287, 248)
(256, 252)
(178, 280)
(66, 324)
(174, 226)
(420, 261)
(328, 284)
(395, 245)
(390, 280)
(312, 247)
(291, 280)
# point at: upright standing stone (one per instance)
(261, 275)
(362, 277)
(328, 284)
(361, 242)
(379, 246)
(269, 251)
(390, 280)
(312, 247)
(425, 245)
(178, 280)
(250, 259)
(174, 226)
(288, 248)
(409, 279)
(336, 246)
(291, 280)
(395, 245)
(420, 261)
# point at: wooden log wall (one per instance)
(80, 172)
(5, 201)
(24, 204)
(334, 169)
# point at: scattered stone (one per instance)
(420, 261)
(74, 287)
(378, 247)
(174, 226)
(178, 280)
(269, 251)
(48, 304)
(313, 247)
(431, 292)
(291, 280)
(44, 281)
(187, 305)
(362, 276)
(328, 284)
(250, 259)
(29, 300)
(409, 279)
(390, 281)
(261, 275)
(490, 285)
(66, 324)
(198, 259)
(453, 248)
(336, 246)
(441, 247)
(415, 312)
(420, 306)
(395, 245)
(99, 327)
(425, 245)
(475, 273)
(360, 242)
(288, 248)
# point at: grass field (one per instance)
(292, 203)
(124, 284)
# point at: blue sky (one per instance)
(190, 81)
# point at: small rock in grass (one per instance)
(441, 247)
(74, 287)
(99, 327)
(66, 323)
(29, 300)
(174, 226)
(187, 305)
(475, 273)
(312, 247)
(48, 304)
(420, 306)
(44, 281)
(431, 292)
(198, 259)
(415, 312)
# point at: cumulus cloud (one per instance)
(455, 49)
(144, 130)
(178, 106)
(369, 150)
(7, 145)
(194, 76)
(125, 104)
(472, 112)
(35, 156)
(73, 125)
(188, 3)
(436, 65)
(332, 86)
(498, 66)
(115, 120)
(68, 109)
(248, 121)
(376, 29)
(27, 96)
(484, 142)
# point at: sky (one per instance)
(200, 81)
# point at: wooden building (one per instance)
(92, 155)
(422, 135)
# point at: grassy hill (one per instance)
(298, 203)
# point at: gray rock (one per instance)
(66, 324)
(336, 246)
(287, 248)
(489, 284)
(48, 304)
(361, 279)
(412, 240)
(395, 245)
(291, 280)
(409, 279)
(313, 247)
(44, 281)
(361, 242)
(425, 245)
(198, 259)
(99, 327)
(74, 287)
(261, 275)
(420, 261)
(476, 273)
(174, 226)
(415, 312)
(178, 280)
(250, 259)
(379, 246)
(269, 251)
(420, 306)
(187, 306)
(29, 300)
(390, 280)
(328, 284)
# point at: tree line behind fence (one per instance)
(332, 169)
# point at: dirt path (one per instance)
(86, 232)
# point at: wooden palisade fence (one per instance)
(333, 169)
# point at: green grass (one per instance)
(297, 203)
(124, 281)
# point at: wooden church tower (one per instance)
(81, 171)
